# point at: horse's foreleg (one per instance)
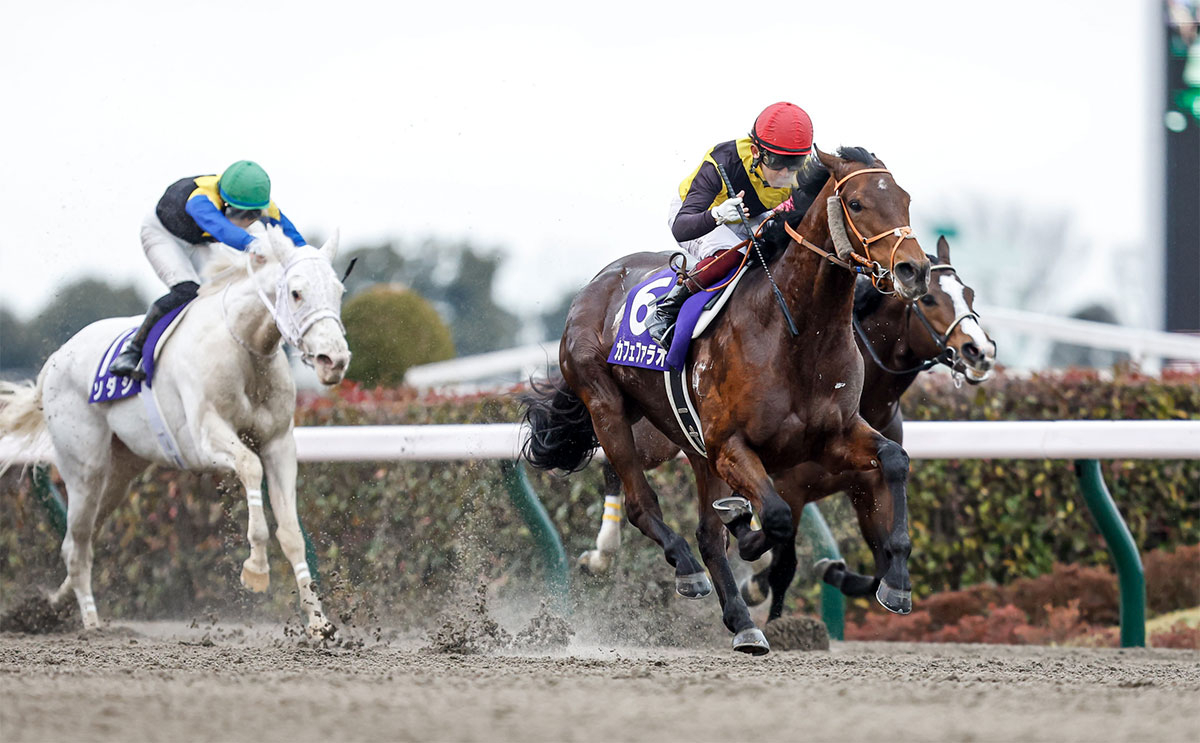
(881, 503)
(744, 472)
(279, 460)
(608, 541)
(713, 541)
(226, 451)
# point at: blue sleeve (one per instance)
(212, 221)
(290, 230)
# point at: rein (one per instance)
(236, 337)
(947, 355)
(850, 260)
(291, 328)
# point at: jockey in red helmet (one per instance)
(763, 169)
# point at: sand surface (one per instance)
(173, 681)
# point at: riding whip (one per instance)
(787, 315)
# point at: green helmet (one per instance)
(245, 185)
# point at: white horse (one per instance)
(225, 392)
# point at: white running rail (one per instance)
(922, 440)
(524, 361)
(1137, 342)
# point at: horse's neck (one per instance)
(246, 315)
(819, 294)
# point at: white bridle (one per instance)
(321, 301)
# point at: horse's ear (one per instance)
(330, 248)
(829, 161)
(282, 248)
(943, 249)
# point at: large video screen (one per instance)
(1183, 66)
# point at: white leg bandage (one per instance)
(609, 538)
(301, 570)
(254, 498)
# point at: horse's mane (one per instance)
(775, 237)
(228, 265)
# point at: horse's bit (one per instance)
(947, 355)
(851, 261)
(292, 326)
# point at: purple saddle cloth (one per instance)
(105, 386)
(633, 346)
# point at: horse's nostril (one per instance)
(905, 272)
(324, 360)
(971, 351)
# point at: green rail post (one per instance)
(1131, 579)
(833, 604)
(46, 494)
(541, 527)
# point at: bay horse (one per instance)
(225, 393)
(767, 400)
(897, 340)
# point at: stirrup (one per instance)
(120, 366)
(667, 336)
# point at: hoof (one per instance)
(824, 565)
(320, 628)
(694, 586)
(893, 599)
(755, 590)
(751, 641)
(732, 508)
(256, 582)
(594, 562)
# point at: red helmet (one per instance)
(784, 129)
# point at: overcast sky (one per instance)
(557, 132)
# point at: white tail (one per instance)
(20, 414)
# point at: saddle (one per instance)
(634, 347)
(109, 388)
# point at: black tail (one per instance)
(561, 434)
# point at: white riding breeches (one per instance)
(725, 236)
(173, 259)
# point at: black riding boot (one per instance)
(126, 363)
(661, 323)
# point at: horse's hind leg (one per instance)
(608, 541)
(279, 458)
(92, 493)
(607, 409)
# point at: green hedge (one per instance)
(394, 538)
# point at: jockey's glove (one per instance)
(730, 210)
(259, 246)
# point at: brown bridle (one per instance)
(867, 265)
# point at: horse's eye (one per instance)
(855, 206)
(295, 295)
(929, 300)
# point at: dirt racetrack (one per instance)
(164, 681)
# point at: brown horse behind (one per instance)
(767, 401)
(897, 341)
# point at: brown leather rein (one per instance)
(868, 265)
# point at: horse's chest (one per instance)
(263, 418)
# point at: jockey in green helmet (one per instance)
(179, 237)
